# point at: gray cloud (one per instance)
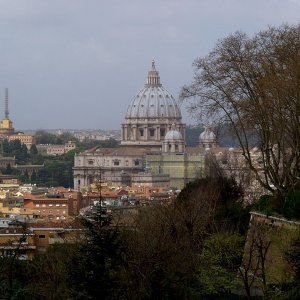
(77, 63)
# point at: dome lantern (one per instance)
(153, 77)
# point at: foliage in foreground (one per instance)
(190, 249)
(271, 205)
(167, 254)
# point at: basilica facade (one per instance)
(152, 144)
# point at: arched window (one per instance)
(141, 132)
(152, 132)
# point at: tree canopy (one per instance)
(17, 149)
(252, 83)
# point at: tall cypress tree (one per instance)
(94, 271)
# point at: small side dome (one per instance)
(173, 135)
(207, 139)
(207, 135)
(173, 142)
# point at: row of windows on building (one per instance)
(116, 162)
(152, 132)
(50, 211)
(50, 205)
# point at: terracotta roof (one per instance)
(42, 196)
(41, 225)
(13, 230)
(28, 196)
(120, 151)
(45, 225)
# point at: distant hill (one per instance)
(224, 135)
(192, 135)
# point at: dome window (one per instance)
(116, 162)
(141, 132)
(152, 131)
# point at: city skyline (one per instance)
(78, 64)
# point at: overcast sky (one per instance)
(77, 63)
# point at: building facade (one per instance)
(116, 165)
(25, 139)
(55, 207)
(60, 149)
(153, 145)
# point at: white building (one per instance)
(152, 142)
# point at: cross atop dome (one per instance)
(153, 79)
(153, 65)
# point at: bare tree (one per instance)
(169, 238)
(253, 267)
(253, 84)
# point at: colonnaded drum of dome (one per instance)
(150, 115)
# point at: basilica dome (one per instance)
(153, 101)
(150, 115)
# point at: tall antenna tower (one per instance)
(6, 103)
